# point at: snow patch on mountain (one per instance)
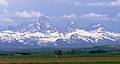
(43, 33)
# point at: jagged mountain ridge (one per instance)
(71, 26)
(42, 33)
(42, 25)
(97, 26)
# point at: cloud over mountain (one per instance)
(4, 2)
(95, 16)
(112, 3)
(27, 14)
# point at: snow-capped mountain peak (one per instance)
(43, 33)
(71, 26)
(97, 27)
(43, 18)
(42, 25)
(72, 23)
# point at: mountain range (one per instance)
(42, 33)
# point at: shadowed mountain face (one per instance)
(97, 26)
(42, 34)
(42, 25)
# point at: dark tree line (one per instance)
(98, 51)
(60, 52)
(73, 52)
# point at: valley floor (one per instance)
(61, 59)
(98, 59)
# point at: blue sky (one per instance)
(60, 12)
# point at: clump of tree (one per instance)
(4, 54)
(98, 51)
(73, 52)
(58, 52)
(22, 54)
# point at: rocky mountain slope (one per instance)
(43, 34)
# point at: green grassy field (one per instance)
(48, 53)
(62, 56)
(68, 63)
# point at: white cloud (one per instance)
(6, 19)
(116, 3)
(72, 15)
(97, 4)
(5, 2)
(5, 15)
(95, 16)
(113, 3)
(20, 14)
(26, 14)
(89, 16)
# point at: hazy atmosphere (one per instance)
(60, 31)
(61, 12)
